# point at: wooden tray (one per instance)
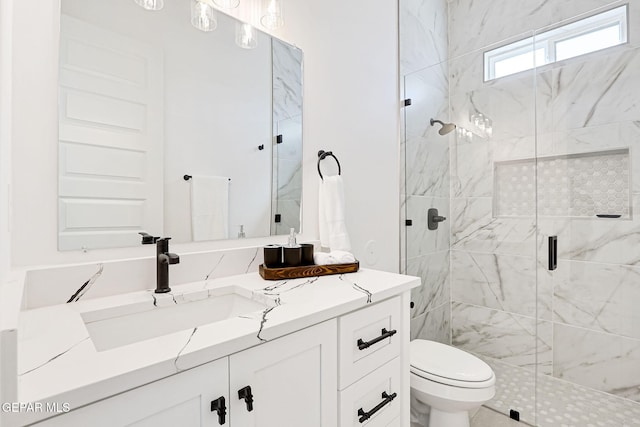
(306, 271)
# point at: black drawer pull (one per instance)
(245, 393)
(385, 334)
(220, 407)
(364, 416)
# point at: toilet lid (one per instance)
(447, 363)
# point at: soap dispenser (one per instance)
(241, 234)
(292, 251)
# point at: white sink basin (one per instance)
(126, 324)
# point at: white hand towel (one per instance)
(343, 257)
(331, 217)
(334, 257)
(209, 208)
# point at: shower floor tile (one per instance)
(560, 403)
(486, 417)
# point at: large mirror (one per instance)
(174, 131)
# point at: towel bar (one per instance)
(324, 154)
(188, 177)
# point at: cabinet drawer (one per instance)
(362, 343)
(375, 400)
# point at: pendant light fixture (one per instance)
(246, 36)
(203, 16)
(272, 15)
(150, 4)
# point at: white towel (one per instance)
(331, 218)
(334, 257)
(209, 208)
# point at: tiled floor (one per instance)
(486, 417)
(560, 403)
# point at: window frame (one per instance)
(549, 40)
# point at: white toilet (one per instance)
(449, 380)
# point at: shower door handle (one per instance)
(553, 252)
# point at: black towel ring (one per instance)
(324, 154)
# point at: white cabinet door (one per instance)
(180, 400)
(292, 380)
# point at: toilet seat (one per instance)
(448, 365)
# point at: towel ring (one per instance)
(324, 154)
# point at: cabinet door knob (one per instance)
(245, 393)
(220, 407)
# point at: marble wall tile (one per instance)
(428, 90)
(508, 337)
(421, 240)
(54, 285)
(596, 90)
(497, 281)
(427, 153)
(473, 228)
(472, 168)
(601, 297)
(290, 217)
(608, 241)
(474, 24)
(287, 80)
(601, 361)
(423, 34)
(508, 102)
(428, 167)
(434, 291)
(596, 138)
(291, 131)
(434, 325)
(289, 184)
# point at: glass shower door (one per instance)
(588, 136)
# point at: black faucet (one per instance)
(163, 259)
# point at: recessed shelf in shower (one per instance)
(582, 185)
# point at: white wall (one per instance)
(350, 107)
(5, 138)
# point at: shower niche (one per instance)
(583, 185)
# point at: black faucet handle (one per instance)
(148, 239)
(173, 258)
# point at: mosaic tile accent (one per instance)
(577, 185)
(559, 403)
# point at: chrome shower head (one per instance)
(446, 127)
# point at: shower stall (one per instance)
(536, 269)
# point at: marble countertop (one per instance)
(58, 361)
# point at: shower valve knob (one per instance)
(433, 219)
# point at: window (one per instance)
(591, 34)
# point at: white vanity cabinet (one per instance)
(179, 400)
(292, 382)
(373, 383)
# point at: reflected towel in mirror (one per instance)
(209, 207)
(331, 218)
